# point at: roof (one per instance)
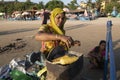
(77, 11)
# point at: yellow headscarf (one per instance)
(52, 24)
(54, 13)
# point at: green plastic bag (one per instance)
(18, 75)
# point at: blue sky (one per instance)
(45, 1)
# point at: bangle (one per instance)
(56, 36)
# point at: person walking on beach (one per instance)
(97, 55)
(53, 35)
(45, 16)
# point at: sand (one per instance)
(88, 32)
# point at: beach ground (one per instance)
(88, 32)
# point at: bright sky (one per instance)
(45, 1)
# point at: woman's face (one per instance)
(59, 19)
(102, 46)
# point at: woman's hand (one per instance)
(67, 40)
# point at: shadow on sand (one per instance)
(76, 26)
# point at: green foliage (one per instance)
(28, 5)
(73, 5)
(53, 4)
(89, 3)
(1, 8)
(109, 7)
(12, 6)
(9, 7)
(40, 5)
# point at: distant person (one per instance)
(45, 17)
(97, 55)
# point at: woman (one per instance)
(53, 35)
(97, 55)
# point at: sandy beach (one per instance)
(88, 32)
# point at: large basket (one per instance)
(66, 72)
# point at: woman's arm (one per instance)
(42, 36)
(92, 53)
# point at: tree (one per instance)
(28, 4)
(16, 0)
(2, 0)
(41, 5)
(109, 6)
(98, 4)
(89, 3)
(55, 3)
(18, 6)
(28, 0)
(73, 4)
